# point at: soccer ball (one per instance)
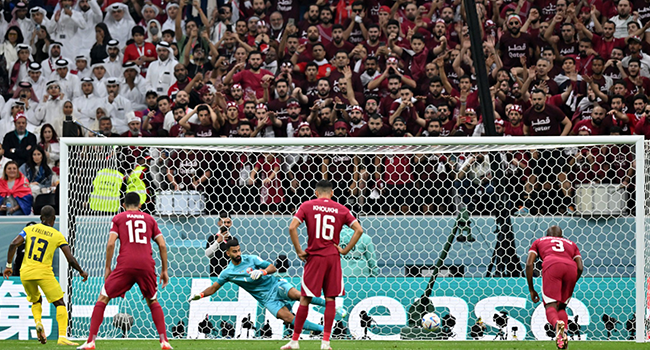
(431, 322)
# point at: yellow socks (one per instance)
(37, 311)
(62, 320)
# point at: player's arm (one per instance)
(10, 254)
(358, 231)
(110, 250)
(73, 262)
(263, 272)
(530, 266)
(293, 233)
(207, 292)
(581, 266)
(162, 246)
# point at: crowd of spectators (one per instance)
(331, 68)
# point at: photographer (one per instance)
(217, 244)
(474, 182)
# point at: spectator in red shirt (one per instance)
(595, 125)
(643, 125)
(140, 52)
(251, 78)
(513, 126)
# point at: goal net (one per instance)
(448, 223)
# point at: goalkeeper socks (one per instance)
(330, 313)
(551, 316)
(96, 320)
(310, 326)
(62, 320)
(37, 311)
(301, 317)
(562, 315)
(159, 320)
(318, 301)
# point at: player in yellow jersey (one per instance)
(41, 241)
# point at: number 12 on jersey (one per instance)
(136, 230)
(325, 226)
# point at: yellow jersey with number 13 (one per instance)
(41, 242)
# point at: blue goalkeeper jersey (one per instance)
(239, 275)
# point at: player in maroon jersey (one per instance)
(324, 219)
(135, 264)
(561, 269)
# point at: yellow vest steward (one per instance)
(106, 191)
(135, 184)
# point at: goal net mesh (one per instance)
(490, 202)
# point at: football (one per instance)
(431, 322)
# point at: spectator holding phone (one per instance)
(217, 244)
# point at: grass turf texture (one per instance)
(336, 344)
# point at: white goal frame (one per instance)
(390, 146)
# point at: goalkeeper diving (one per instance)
(256, 277)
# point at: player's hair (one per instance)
(323, 186)
(48, 212)
(233, 242)
(131, 199)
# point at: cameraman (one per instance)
(217, 245)
(474, 182)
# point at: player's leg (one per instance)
(287, 316)
(54, 294)
(117, 283)
(62, 321)
(332, 288)
(312, 284)
(279, 305)
(294, 294)
(34, 297)
(148, 286)
(561, 313)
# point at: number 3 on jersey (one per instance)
(325, 226)
(559, 245)
(136, 230)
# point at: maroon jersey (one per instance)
(324, 219)
(135, 230)
(512, 48)
(548, 122)
(554, 250)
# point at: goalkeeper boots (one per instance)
(164, 345)
(65, 341)
(87, 346)
(40, 333)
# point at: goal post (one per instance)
(489, 197)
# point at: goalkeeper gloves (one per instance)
(257, 274)
(196, 297)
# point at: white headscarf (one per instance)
(121, 31)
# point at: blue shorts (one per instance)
(278, 298)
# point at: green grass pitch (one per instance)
(336, 344)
